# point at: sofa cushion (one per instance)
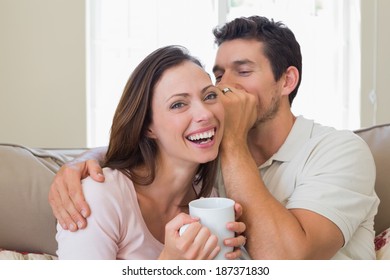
(26, 220)
(378, 139)
(13, 255)
(382, 245)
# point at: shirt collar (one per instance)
(298, 136)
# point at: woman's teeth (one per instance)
(207, 135)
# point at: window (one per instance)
(121, 33)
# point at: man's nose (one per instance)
(230, 79)
(226, 78)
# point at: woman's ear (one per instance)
(150, 133)
(291, 80)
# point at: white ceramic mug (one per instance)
(214, 213)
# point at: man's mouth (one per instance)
(203, 137)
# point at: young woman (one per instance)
(162, 154)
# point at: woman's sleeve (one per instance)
(100, 238)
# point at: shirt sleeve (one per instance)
(337, 181)
(100, 238)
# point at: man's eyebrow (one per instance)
(235, 64)
(243, 62)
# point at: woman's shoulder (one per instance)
(116, 186)
(112, 177)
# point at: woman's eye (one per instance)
(211, 95)
(177, 105)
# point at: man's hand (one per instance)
(66, 197)
(240, 114)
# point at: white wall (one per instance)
(43, 66)
(42, 73)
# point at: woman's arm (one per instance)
(99, 241)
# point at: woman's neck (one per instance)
(166, 197)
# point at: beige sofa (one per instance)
(27, 226)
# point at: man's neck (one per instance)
(266, 138)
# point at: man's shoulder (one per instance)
(342, 148)
(328, 143)
(336, 137)
(308, 136)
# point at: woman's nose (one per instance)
(202, 113)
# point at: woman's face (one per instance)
(188, 117)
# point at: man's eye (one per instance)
(244, 73)
(218, 78)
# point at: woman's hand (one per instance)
(239, 240)
(196, 243)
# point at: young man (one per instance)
(307, 190)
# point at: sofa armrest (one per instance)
(378, 139)
(26, 220)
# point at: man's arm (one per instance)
(66, 196)
(273, 231)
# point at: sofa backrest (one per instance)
(26, 220)
(378, 139)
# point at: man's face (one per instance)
(241, 64)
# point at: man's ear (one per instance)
(290, 80)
